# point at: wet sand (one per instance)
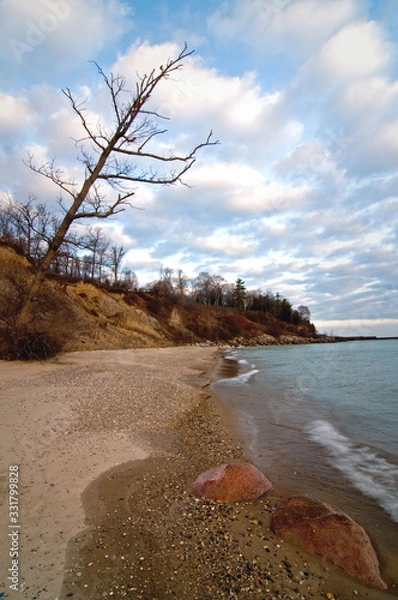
(107, 445)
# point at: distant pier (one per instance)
(362, 338)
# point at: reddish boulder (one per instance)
(329, 533)
(231, 482)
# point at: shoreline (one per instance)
(109, 484)
(380, 529)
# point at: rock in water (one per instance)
(329, 533)
(231, 482)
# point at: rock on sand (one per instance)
(231, 482)
(329, 533)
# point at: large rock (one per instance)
(231, 482)
(329, 533)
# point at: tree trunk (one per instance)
(27, 313)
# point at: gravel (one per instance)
(148, 537)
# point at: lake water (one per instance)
(322, 420)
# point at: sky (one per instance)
(300, 195)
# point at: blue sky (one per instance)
(300, 197)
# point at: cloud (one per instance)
(347, 100)
(35, 36)
(373, 150)
(243, 116)
(16, 114)
(308, 22)
(242, 190)
(368, 98)
(358, 50)
(313, 164)
(224, 243)
(300, 196)
(293, 28)
(358, 327)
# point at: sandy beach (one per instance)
(106, 445)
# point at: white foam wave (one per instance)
(241, 379)
(231, 356)
(370, 473)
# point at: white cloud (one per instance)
(234, 105)
(358, 327)
(358, 50)
(386, 140)
(309, 22)
(226, 243)
(117, 236)
(315, 165)
(297, 195)
(15, 114)
(37, 35)
(368, 98)
(312, 156)
(375, 150)
(296, 28)
(243, 190)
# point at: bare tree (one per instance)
(29, 224)
(129, 280)
(181, 283)
(97, 243)
(110, 156)
(304, 312)
(116, 255)
(164, 285)
(208, 289)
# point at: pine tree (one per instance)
(240, 294)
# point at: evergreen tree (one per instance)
(240, 294)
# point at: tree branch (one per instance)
(113, 209)
(49, 171)
(100, 147)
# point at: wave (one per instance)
(231, 356)
(240, 379)
(373, 475)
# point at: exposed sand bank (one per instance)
(107, 444)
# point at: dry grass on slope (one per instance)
(67, 316)
(109, 322)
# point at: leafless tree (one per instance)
(164, 285)
(181, 283)
(129, 280)
(209, 289)
(116, 255)
(97, 243)
(29, 224)
(304, 312)
(116, 157)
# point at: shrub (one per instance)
(34, 345)
(238, 325)
(275, 328)
(45, 333)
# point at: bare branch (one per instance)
(111, 209)
(49, 171)
(80, 112)
(110, 154)
(115, 85)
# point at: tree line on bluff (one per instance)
(89, 254)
